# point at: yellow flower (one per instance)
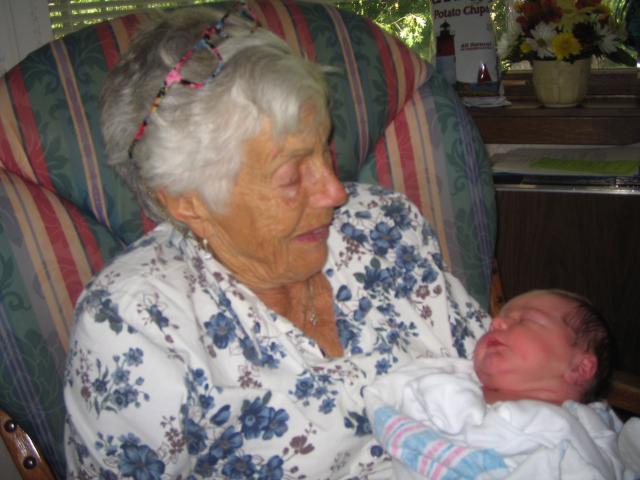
(564, 45)
(525, 48)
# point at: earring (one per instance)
(205, 246)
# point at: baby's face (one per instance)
(528, 344)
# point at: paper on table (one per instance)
(616, 161)
(592, 167)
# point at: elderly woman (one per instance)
(234, 340)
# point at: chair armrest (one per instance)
(23, 451)
(625, 392)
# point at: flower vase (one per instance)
(561, 84)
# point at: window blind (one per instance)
(69, 15)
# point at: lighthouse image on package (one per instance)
(446, 53)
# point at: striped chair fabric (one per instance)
(64, 213)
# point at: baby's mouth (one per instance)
(494, 343)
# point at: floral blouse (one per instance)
(177, 370)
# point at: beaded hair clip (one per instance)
(175, 76)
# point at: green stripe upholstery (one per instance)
(433, 153)
(64, 213)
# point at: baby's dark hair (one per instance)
(593, 335)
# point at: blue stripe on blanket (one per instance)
(429, 453)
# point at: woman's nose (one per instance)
(326, 189)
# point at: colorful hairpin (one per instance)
(175, 74)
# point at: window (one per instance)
(69, 15)
(408, 19)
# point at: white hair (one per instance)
(193, 141)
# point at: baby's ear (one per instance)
(583, 368)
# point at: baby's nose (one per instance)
(499, 323)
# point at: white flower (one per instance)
(514, 29)
(509, 39)
(542, 35)
(504, 46)
(607, 40)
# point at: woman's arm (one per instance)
(123, 390)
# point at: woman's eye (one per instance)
(291, 181)
(287, 176)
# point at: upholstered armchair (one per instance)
(64, 213)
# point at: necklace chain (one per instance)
(313, 314)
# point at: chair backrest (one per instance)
(64, 213)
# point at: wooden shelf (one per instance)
(609, 116)
(594, 123)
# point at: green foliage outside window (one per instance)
(410, 20)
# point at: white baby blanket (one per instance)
(432, 418)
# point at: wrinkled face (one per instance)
(275, 226)
(528, 343)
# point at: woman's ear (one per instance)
(187, 208)
(582, 369)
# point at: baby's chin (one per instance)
(485, 380)
(479, 371)
(487, 372)
(479, 354)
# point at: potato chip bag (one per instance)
(465, 52)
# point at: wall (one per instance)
(24, 26)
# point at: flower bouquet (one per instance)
(564, 30)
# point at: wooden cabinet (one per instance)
(585, 241)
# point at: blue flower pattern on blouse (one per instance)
(179, 370)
